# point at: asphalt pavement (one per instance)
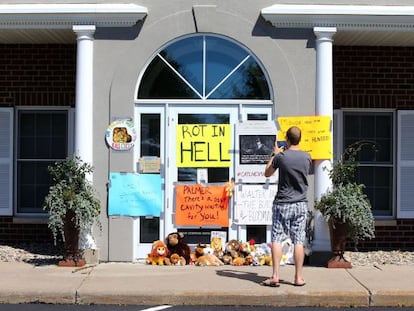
(142, 284)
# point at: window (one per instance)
(204, 67)
(42, 139)
(150, 140)
(376, 167)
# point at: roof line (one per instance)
(62, 16)
(341, 16)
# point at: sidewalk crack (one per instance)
(88, 273)
(370, 298)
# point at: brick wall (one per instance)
(12, 233)
(373, 77)
(390, 237)
(377, 77)
(35, 75)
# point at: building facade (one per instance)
(74, 72)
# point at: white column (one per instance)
(84, 93)
(84, 108)
(324, 106)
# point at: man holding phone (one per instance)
(290, 205)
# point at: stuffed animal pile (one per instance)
(176, 245)
(176, 252)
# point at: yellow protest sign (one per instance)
(316, 134)
(203, 145)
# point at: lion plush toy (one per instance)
(158, 253)
(176, 245)
(233, 248)
(177, 260)
(208, 259)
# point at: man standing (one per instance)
(290, 205)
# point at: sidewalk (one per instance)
(140, 284)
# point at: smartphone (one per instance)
(282, 144)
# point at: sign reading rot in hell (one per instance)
(199, 205)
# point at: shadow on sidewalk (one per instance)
(248, 276)
(242, 275)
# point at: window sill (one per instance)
(385, 223)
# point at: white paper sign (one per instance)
(253, 204)
(255, 141)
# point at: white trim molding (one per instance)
(343, 17)
(64, 16)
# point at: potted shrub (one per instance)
(72, 204)
(346, 207)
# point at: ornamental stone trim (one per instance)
(343, 17)
(64, 16)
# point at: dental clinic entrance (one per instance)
(193, 90)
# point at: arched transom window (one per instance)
(204, 67)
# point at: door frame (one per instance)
(142, 249)
(168, 120)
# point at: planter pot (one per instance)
(338, 232)
(72, 256)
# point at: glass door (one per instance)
(206, 164)
(157, 138)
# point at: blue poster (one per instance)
(133, 194)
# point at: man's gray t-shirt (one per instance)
(294, 167)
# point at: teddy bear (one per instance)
(245, 249)
(262, 255)
(227, 259)
(287, 252)
(198, 252)
(238, 261)
(233, 248)
(176, 245)
(176, 260)
(158, 254)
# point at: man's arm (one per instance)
(269, 167)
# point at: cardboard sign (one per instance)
(255, 142)
(198, 205)
(203, 145)
(316, 134)
(133, 194)
(253, 204)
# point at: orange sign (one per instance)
(198, 205)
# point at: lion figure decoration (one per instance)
(158, 254)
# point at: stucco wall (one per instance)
(121, 56)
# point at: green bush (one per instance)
(71, 193)
(346, 202)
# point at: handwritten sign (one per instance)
(135, 194)
(198, 205)
(149, 165)
(316, 134)
(203, 145)
(253, 204)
